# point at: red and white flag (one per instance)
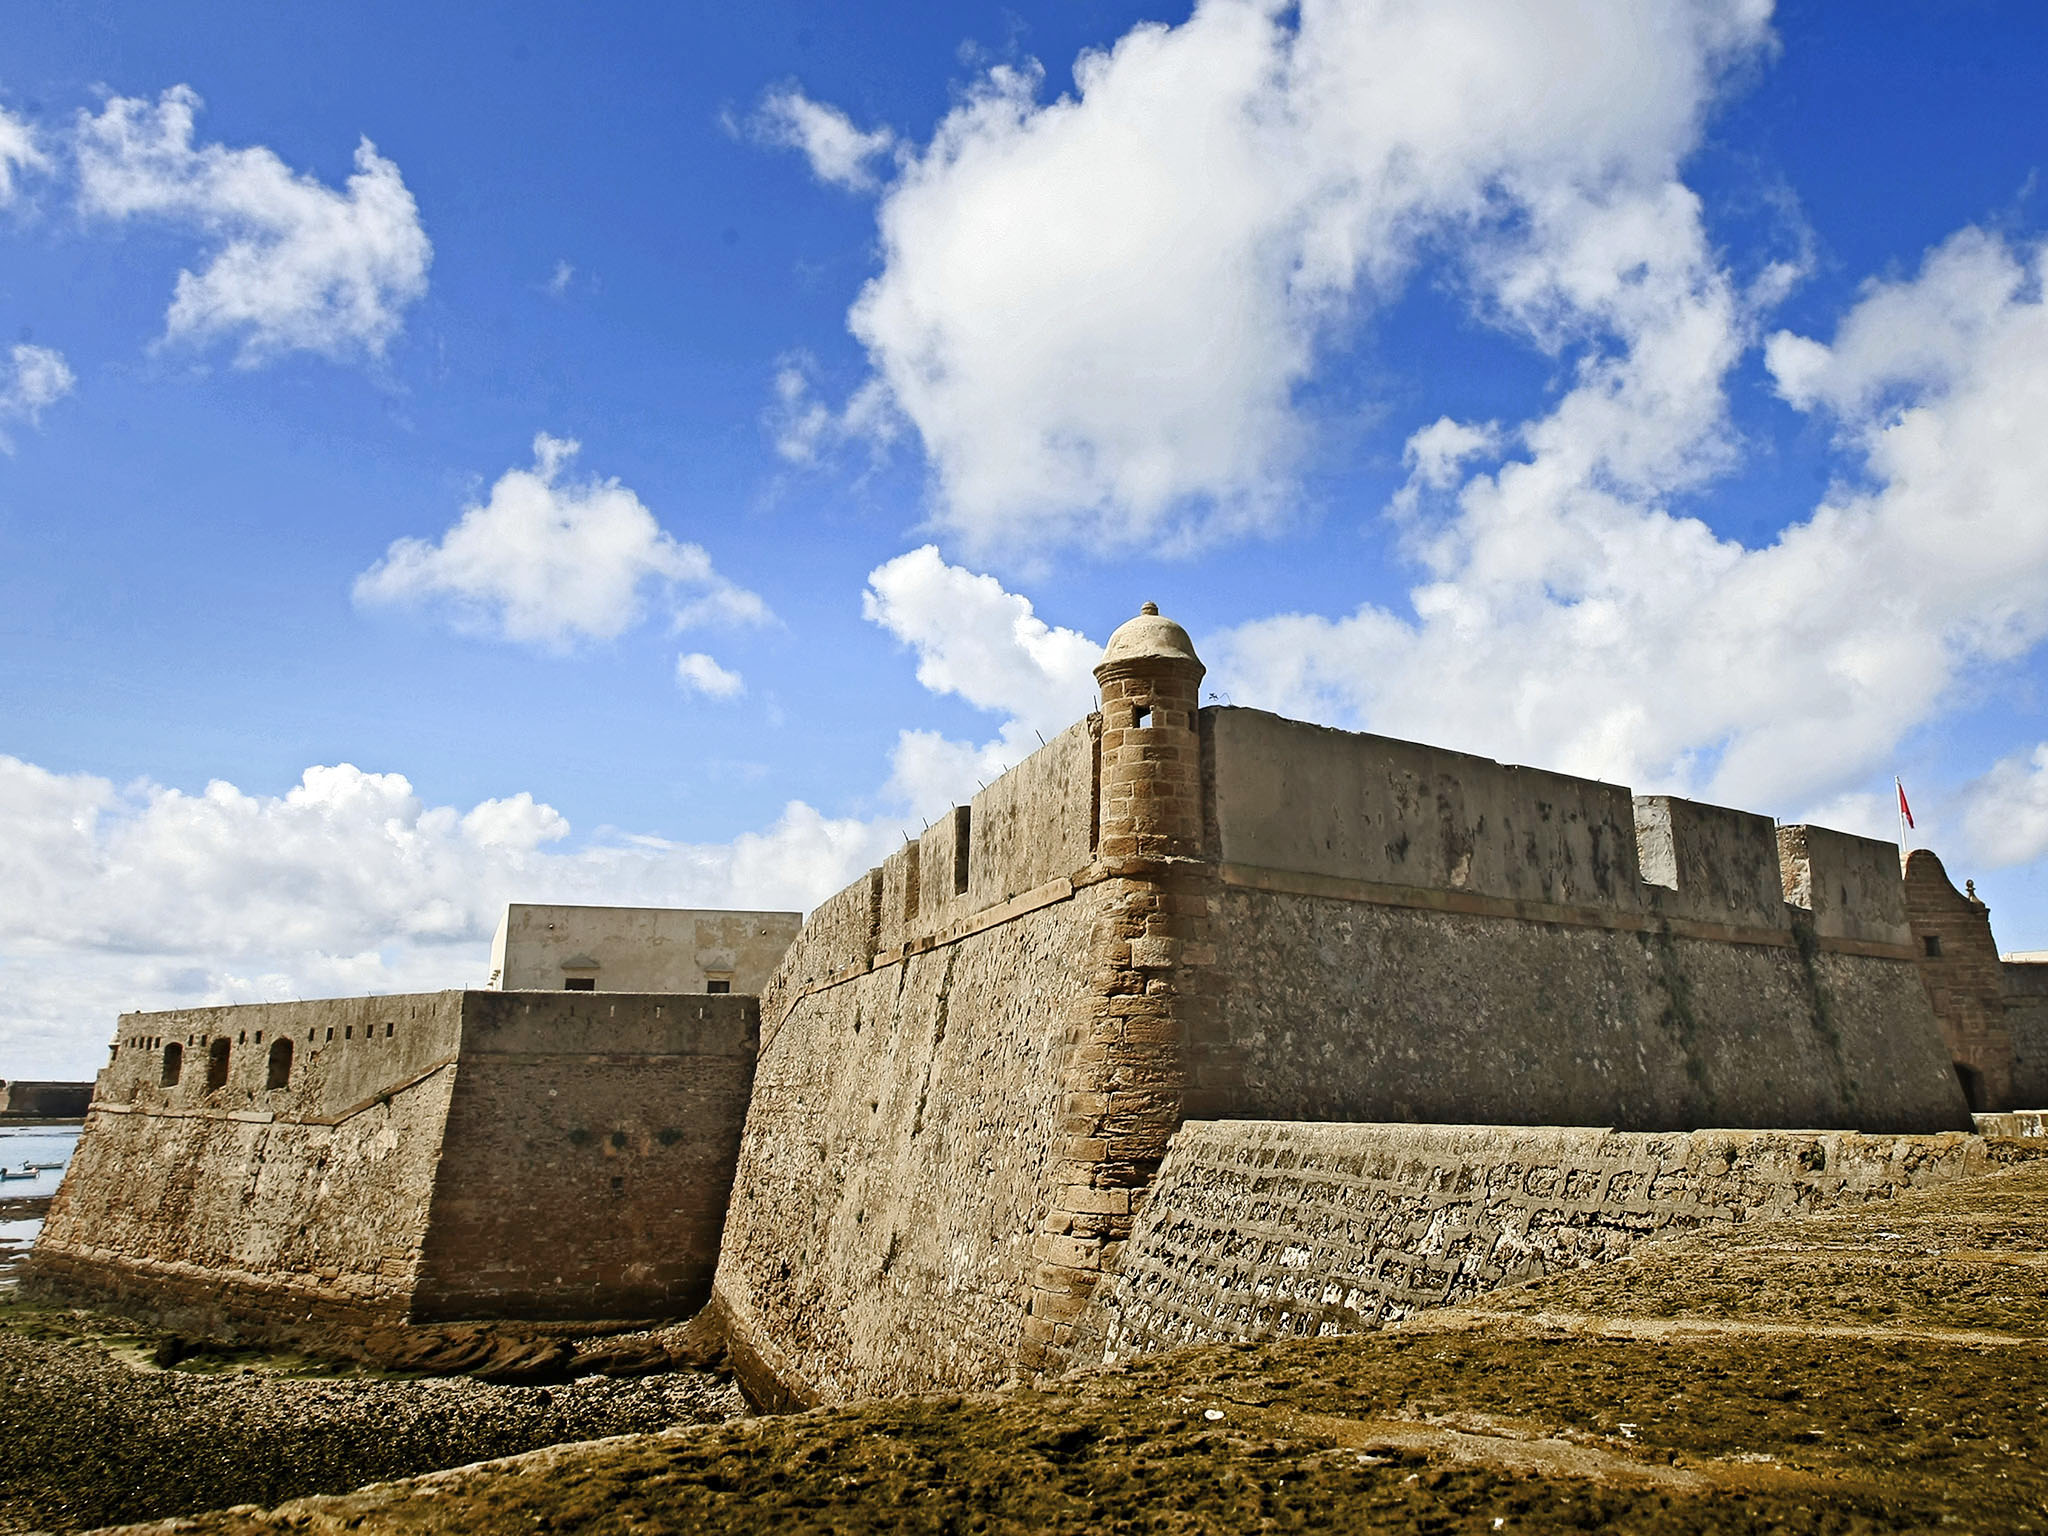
(1905, 810)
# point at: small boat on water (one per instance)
(26, 1173)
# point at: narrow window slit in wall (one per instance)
(174, 1064)
(1094, 787)
(963, 846)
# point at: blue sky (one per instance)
(1651, 392)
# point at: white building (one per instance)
(637, 949)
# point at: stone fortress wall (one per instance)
(21, 1099)
(1993, 1013)
(1197, 1023)
(381, 1158)
(1263, 1229)
(973, 1059)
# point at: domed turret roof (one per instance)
(1148, 637)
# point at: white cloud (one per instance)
(19, 152)
(295, 265)
(349, 882)
(698, 673)
(33, 377)
(548, 560)
(1572, 620)
(1097, 310)
(2005, 813)
(805, 428)
(564, 275)
(983, 644)
(840, 153)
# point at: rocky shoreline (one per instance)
(93, 1433)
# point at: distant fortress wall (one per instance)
(1406, 933)
(974, 1057)
(24, 1100)
(371, 1159)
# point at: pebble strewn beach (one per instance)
(88, 1439)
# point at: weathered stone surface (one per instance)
(1357, 1010)
(452, 1154)
(899, 1158)
(1870, 1369)
(1993, 1013)
(1172, 911)
(1261, 1229)
(21, 1099)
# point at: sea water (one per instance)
(50, 1148)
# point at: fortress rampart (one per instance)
(1261, 1229)
(1993, 1013)
(474, 1154)
(974, 1057)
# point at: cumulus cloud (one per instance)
(805, 428)
(116, 898)
(2005, 812)
(698, 673)
(295, 265)
(1097, 311)
(549, 560)
(1571, 619)
(19, 152)
(349, 882)
(839, 153)
(985, 645)
(32, 378)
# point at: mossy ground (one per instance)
(1878, 1370)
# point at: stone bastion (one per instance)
(974, 1059)
(1198, 1023)
(470, 1154)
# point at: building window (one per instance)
(174, 1064)
(579, 984)
(1141, 718)
(217, 1064)
(280, 1065)
(963, 846)
(1932, 944)
(718, 984)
